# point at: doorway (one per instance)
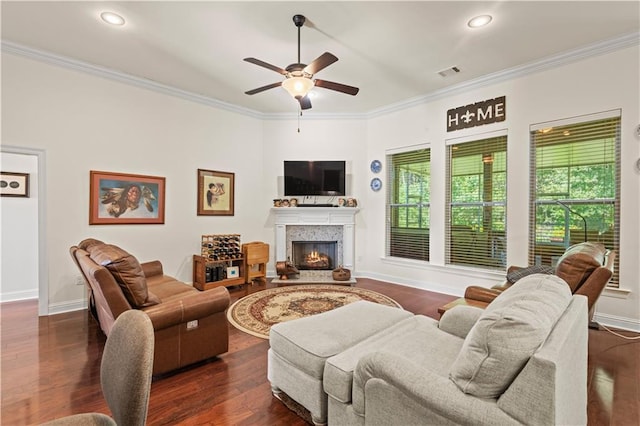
(24, 258)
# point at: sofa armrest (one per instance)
(151, 269)
(482, 294)
(459, 320)
(191, 306)
(381, 374)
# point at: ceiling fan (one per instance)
(298, 80)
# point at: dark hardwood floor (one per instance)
(50, 368)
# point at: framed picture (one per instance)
(215, 193)
(125, 199)
(14, 184)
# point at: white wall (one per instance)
(88, 123)
(596, 84)
(19, 264)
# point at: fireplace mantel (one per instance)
(317, 216)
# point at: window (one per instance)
(575, 196)
(409, 179)
(476, 203)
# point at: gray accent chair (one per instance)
(125, 374)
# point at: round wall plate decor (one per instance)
(376, 166)
(376, 184)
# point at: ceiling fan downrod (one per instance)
(299, 20)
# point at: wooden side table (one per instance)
(256, 257)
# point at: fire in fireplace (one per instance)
(314, 255)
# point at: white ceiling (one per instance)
(391, 50)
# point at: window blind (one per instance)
(476, 198)
(408, 198)
(575, 181)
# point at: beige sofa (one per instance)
(189, 325)
(522, 360)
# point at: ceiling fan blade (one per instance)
(266, 65)
(263, 88)
(338, 87)
(320, 63)
(305, 102)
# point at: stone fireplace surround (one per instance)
(316, 224)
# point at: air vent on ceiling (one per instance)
(449, 71)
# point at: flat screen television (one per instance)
(314, 178)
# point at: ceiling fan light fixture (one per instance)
(298, 87)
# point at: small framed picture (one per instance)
(215, 193)
(14, 184)
(233, 272)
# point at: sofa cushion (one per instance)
(508, 332)
(416, 338)
(307, 342)
(127, 272)
(578, 262)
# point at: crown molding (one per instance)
(600, 48)
(110, 74)
(597, 49)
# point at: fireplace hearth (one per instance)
(314, 255)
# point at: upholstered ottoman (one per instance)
(299, 349)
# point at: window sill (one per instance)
(458, 270)
(617, 293)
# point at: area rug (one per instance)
(257, 312)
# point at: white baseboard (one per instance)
(421, 284)
(15, 296)
(622, 323)
(70, 306)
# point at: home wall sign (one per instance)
(477, 114)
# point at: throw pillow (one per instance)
(127, 272)
(508, 333)
(517, 274)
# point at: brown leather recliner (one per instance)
(586, 268)
(189, 325)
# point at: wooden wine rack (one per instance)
(218, 253)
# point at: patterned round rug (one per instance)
(257, 312)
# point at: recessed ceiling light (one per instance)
(112, 18)
(479, 21)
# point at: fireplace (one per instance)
(316, 224)
(314, 255)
